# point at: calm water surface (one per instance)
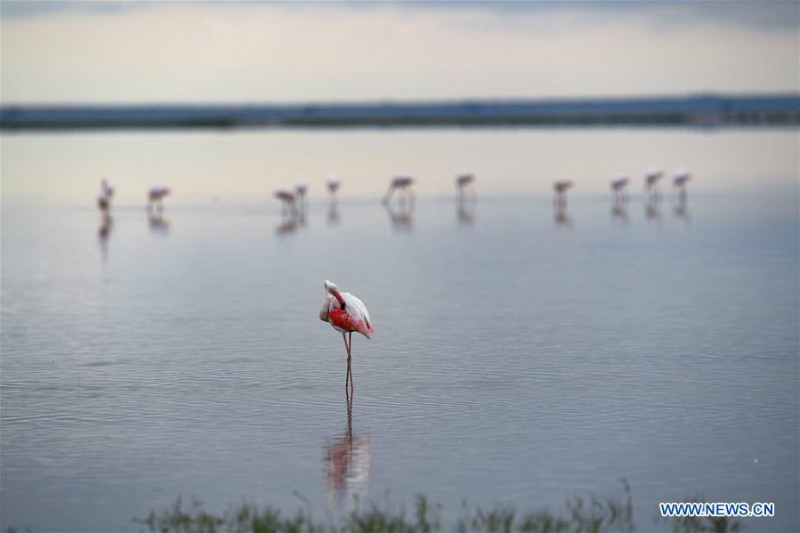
(521, 355)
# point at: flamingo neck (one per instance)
(339, 298)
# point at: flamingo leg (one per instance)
(347, 375)
(349, 367)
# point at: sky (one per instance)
(253, 52)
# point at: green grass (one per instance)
(580, 514)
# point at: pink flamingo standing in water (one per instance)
(346, 314)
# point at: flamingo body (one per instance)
(681, 177)
(651, 177)
(464, 179)
(619, 182)
(354, 317)
(333, 183)
(401, 181)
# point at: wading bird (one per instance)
(651, 179)
(287, 199)
(464, 180)
(619, 185)
(401, 183)
(301, 188)
(106, 193)
(155, 197)
(679, 181)
(560, 188)
(346, 314)
(334, 181)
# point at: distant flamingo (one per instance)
(465, 204)
(300, 189)
(334, 181)
(679, 180)
(401, 183)
(287, 198)
(155, 197)
(464, 180)
(619, 185)
(560, 188)
(651, 179)
(106, 193)
(346, 314)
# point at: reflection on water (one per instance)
(348, 460)
(292, 219)
(159, 225)
(681, 210)
(333, 212)
(619, 212)
(652, 212)
(106, 224)
(465, 208)
(402, 218)
(561, 218)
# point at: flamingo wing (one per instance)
(354, 316)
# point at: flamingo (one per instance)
(651, 179)
(401, 182)
(334, 181)
(301, 188)
(464, 180)
(560, 188)
(679, 181)
(346, 314)
(106, 192)
(618, 185)
(155, 196)
(287, 197)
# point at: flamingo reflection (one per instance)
(561, 218)
(465, 210)
(333, 212)
(348, 460)
(620, 212)
(651, 210)
(158, 224)
(681, 210)
(106, 224)
(401, 218)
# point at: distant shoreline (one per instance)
(692, 111)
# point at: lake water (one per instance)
(522, 354)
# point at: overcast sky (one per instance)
(258, 52)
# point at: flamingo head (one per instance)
(331, 287)
(333, 290)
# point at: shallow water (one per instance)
(521, 355)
